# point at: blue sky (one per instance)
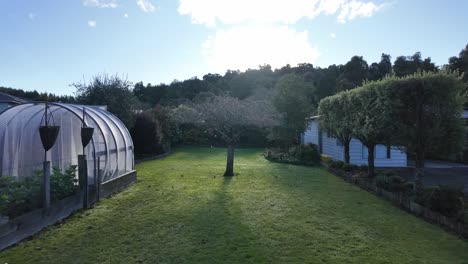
(48, 44)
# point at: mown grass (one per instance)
(183, 211)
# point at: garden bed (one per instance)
(405, 202)
(20, 227)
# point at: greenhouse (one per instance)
(22, 153)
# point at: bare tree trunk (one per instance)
(230, 161)
(346, 152)
(420, 153)
(370, 161)
(418, 172)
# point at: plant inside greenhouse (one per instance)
(20, 196)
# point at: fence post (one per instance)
(83, 178)
(46, 184)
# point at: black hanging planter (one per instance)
(86, 135)
(48, 136)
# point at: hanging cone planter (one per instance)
(48, 136)
(86, 135)
(48, 132)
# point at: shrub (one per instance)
(396, 183)
(347, 167)
(350, 167)
(63, 184)
(307, 153)
(301, 155)
(19, 196)
(169, 131)
(409, 187)
(146, 135)
(254, 137)
(443, 199)
(390, 182)
(194, 136)
(363, 168)
(337, 164)
(359, 176)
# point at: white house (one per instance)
(7, 101)
(331, 146)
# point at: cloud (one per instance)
(353, 9)
(32, 16)
(125, 15)
(146, 6)
(332, 35)
(248, 47)
(92, 23)
(212, 12)
(101, 3)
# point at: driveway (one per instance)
(439, 173)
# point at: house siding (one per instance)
(331, 147)
(311, 134)
(358, 155)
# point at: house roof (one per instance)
(6, 98)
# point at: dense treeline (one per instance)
(36, 96)
(322, 81)
(294, 90)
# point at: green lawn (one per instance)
(183, 211)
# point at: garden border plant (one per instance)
(401, 194)
(307, 155)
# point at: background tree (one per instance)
(460, 64)
(354, 73)
(407, 65)
(335, 116)
(293, 99)
(147, 135)
(379, 70)
(429, 116)
(113, 91)
(36, 96)
(372, 117)
(326, 81)
(227, 116)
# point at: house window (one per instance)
(380, 152)
(389, 152)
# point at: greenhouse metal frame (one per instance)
(110, 153)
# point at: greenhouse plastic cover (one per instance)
(22, 153)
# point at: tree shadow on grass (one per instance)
(218, 234)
